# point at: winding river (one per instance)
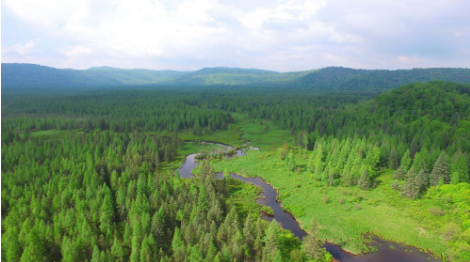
(387, 251)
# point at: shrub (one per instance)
(450, 230)
(436, 211)
(267, 210)
(341, 201)
(357, 207)
(282, 153)
(395, 185)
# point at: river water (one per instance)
(387, 251)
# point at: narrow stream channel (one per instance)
(387, 251)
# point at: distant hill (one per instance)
(327, 79)
(339, 78)
(235, 76)
(30, 75)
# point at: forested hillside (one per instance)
(31, 75)
(235, 76)
(339, 78)
(326, 79)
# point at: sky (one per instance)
(265, 34)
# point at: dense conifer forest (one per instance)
(89, 175)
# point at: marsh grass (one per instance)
(381, 210)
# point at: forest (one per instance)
(91, 175)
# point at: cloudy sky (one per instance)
(267, 34)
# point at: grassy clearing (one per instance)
(243, 130)
(190, 148)
(345, 213)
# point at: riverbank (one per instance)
(343, 213)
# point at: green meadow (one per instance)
(345, 213)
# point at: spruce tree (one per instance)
(311, 245)
(406, 160)
(400, 173)
(461, 168)
(364, 180)
(271, 241)
(423, 179)
(440, 170)
(411, 187)
(393, 159)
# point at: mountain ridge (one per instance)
(16, 75)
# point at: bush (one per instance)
(450, 230)
(395, 185)
(357, 207)
(282, 153)
(436, 211)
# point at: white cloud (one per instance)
(279, 35)
(19, 49)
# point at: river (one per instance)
(387, 251)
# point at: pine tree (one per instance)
(400, 173)
(364, 180)
(311, 245)
(455, 178)
(34, 250)
(461, 168)
(290, 161)
(96, 254)
(414, 148)
(406, 160)
(13, 246)
(177, 245)
(440, 170)
(271, 241)
(411, 187)
(423, 179)
(393, 159)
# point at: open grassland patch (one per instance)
(345, 213)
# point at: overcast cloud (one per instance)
(276, 35)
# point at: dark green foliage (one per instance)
(99, 197)
(393, 159)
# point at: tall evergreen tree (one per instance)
(410, 188)
(312, 246)
(440, 170)
(393, 159)
(423, 178)
(461, 168)
(400, 173)
(364, 181)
